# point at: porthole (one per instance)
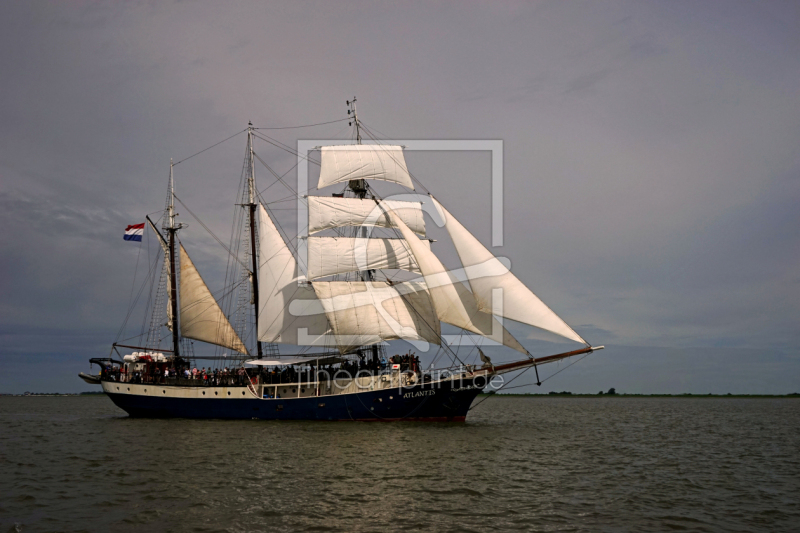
(302, 390)
(145, 390)
(229, 393)
(391, 397)
(216, 393)
(294, 390)
(242, 393)
(117, 388)
(164, 391)
(129, 389)
(204, 393)
(320, 405)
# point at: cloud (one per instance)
(651, 169)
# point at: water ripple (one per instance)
(519, 464)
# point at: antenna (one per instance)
(351, 109)
(251, 179)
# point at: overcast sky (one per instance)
(652, 170)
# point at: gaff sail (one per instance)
(201, 317)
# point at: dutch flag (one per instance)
(134, 233)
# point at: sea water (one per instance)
(518, 463)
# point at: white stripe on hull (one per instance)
(171, 391)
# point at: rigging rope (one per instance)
(227, 292)
(244, 130)
(231, 270)
(556, 373)
(278, 177)
(133, 286)
(305, 125)
(209, 148)
(505, 386)
(132, 305)
(492, 393)
(284, 147)
(210, 232)
(412, 176)
(438, 334)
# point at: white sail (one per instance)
(336, 255)
(278, 290)
(165, 247)
(201, 317)
(363, 161)
(362, 313)
(325, 213)
(453, 302)
(519, 303)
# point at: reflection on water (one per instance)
(566, 464)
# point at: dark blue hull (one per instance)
(442, 401)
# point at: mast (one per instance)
(359, 187)
(173, 288)
(251, 186)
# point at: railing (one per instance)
(342, 378)
(211, 381)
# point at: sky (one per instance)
(651, 169)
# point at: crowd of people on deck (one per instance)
(217, 376)
(169, 374)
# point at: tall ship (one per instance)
(301, 329)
